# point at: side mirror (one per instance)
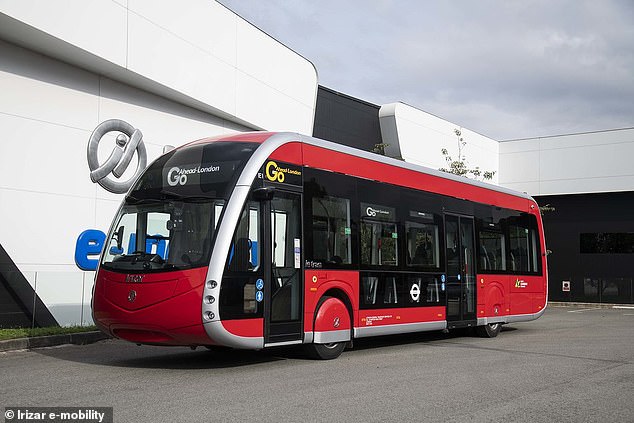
(263, 194)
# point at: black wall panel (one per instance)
(603, 277)
(346, 120)
(19, 304)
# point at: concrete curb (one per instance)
(81, 338)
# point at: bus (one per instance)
(261, 239)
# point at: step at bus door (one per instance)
(282, 268)
(461, 276)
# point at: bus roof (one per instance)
(274, 140)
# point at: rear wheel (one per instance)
(328, 311)
(490, 330)
(325, 351)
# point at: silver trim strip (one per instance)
(308, 337)
(401, 328)
(332, 336)
(281, 344)
(223, 242)
(223, 337)
(526, 317)
(511, 319)
(486, 320)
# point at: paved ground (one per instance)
(572, 365)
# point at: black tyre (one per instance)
(489, 331)
(325, 351)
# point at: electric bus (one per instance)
(255, 240)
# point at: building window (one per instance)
(607, 243)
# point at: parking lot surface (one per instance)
(571, 365)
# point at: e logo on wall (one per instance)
(119, 159)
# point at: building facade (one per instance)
(585, 186)
(179, 74)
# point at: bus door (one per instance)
(461, 276)
(283, 280)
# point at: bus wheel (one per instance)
(489, 331)
(325, 351)
(332, 329)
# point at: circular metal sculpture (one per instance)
(119, 159)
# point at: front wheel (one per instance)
(489, 331)
(325, 351)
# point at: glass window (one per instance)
(278, 237)
(331, 230)
(452, 246)
(422, 244)
(381, 290)
(200, 170)
(170, 235)
(535, 251)
(379, 236)
(519, 247)
(244, 255)
(421, 290)
(492, 252)
(369, 288)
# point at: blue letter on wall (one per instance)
(89, 244)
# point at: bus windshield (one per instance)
(169, 218)
(160, 236)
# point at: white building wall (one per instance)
(197, 51)
(419, 137)
(177, 73)
(569, 164)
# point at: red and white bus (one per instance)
(263, 239)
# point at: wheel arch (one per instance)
(341, 296)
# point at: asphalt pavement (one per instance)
(571, 365)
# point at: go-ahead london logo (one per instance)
(119, 158)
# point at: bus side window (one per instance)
(524, 249)
(519, 246)
(422, 244)
(244, 253)
(331, 230)
(379, 236)
(379, 290)
(492, 251)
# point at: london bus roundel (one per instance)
(263, 239)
